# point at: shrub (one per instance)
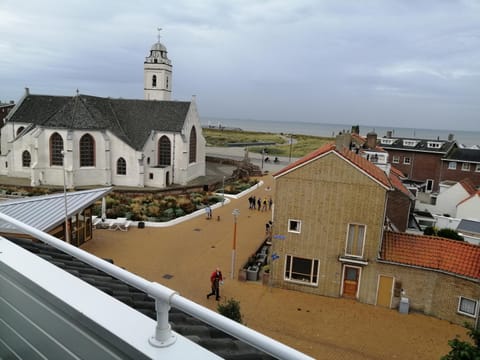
(231, 310)
(429, 230)
(449, 234)
(464, 350)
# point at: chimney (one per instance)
(343, 140)
(450, 137)
(372, 140)
(389, 133)
(27, 91)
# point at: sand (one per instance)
(322, 327)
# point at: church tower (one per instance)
(157, 70)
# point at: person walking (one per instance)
(215, 280)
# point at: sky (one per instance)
(389, 63)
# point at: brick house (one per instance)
(332, 210)
(461, 163)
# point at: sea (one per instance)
(466, 138)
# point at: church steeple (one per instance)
(157, 72)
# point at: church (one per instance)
(85, 140)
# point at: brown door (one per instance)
(385, 289)
(350, 281)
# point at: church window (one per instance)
(56, 149)
(121, 166)
(154, 81)
(166, 83)
(193, 146)
(87, 150)
(164, 151)
(19, 130)
(26, 159)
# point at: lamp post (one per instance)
(235, 214)
(291, 143)
(223, 190)
(67, 230)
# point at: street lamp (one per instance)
(291, 142)
(67, 231)
(235, 214)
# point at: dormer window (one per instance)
(387, 141)
(434, 144)
(410, 143)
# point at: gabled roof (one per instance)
(430, 252)
(398, 184)
(468, 185)
(356, 160)
(48, 211)
(465, 155)
(469, 197)
(130, 120)
(204, 335)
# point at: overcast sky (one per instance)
(393, 63)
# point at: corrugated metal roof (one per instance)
(47, 211)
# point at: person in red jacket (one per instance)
(215, 279)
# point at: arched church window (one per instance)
(154, 81)
(166, 83)
(164, 151)
(121, 166)
(87, 150)
(56, 149)
(20, 129)
(26, 158)
(193, 146)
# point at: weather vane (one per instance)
(159, 29)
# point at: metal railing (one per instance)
(165, 298)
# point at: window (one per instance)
(355, 240)
(56, 149)
(467, 306)
(294, 226)
(429, 186)
(164, 151)
(121, 166)
(193, 146)
(406, 160)
(477, 168)
(465, 167)
(300, 269)
(154, 80)
(166, 83)
(26, 159)
(410, 143)
(396, 159)
(434, 145)
(19, 130)
(452, 165)
(87, 150)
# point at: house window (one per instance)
(467, 306)
(154, 81)
(164, 151)
(300, 269)
(396, 159)
(406, 160)
(429, 186)
(87, 150)
(355, 240)
(26, 159)
(294, 226)
(121, 166)
(477, 168)
(193, 146)
(452, 165)
(56, 149)
(465, 167)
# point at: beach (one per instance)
(183, 256)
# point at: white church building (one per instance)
(90, 140)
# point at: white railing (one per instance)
(164, 299)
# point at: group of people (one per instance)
(255, 203)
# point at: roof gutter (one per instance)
(164, 297)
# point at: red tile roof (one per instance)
(362, 163)
(469, 186)
(430, 252)
(469, 197)
(397, 183)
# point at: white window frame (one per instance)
(358, 226)
(475, 309)
(452, 165)
(477, 168)
(287, 275)
(299, 228)
(395, 159)
(465, 166)
(429, 185)
(407, 160)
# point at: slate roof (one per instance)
(130, 120)
(470, 226)
(357, 160)
(201, 333)
(47, 211)
(430, 252)
(421, 145)
(464, 155)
